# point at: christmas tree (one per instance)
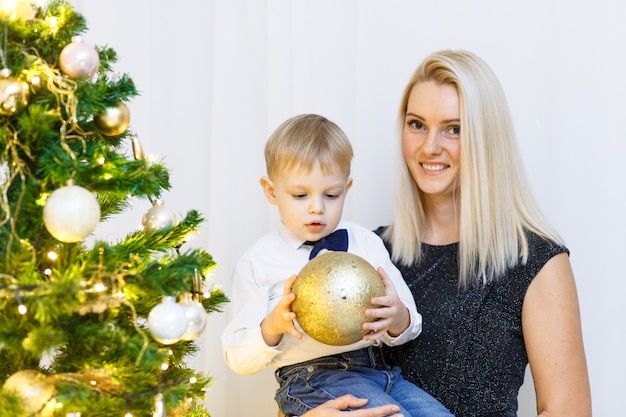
(88, 327)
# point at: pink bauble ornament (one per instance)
(196, 318)
(71, 213)
(167, 321)
(79, 59)
(13, 93)
(35, 390)
(158, 217)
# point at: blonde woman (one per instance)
(489, 275)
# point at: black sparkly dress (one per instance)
(470, 354)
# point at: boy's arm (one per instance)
(280, 320)
(382, 259)
(244, 349)
(395, 322)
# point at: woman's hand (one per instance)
(336, 407)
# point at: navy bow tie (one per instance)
(337, 241)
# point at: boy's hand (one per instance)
(391, 316)
(280, 319)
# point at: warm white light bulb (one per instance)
(8, 6)
(22, 309)
(193, 380)
(99, 287)
(53, 256)
(164, 366)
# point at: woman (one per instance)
(490, 276)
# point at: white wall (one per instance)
(217, 77)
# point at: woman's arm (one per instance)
(553, 338)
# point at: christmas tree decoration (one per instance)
(168, 321)
(32, 386)
(79, 310)
(158, 217)
(196, 317)
(159, 406)
(137, 148)
(113, 121)
(13, 93)
(333, 290)
(71, 213)
(79, 59)
(16, 10)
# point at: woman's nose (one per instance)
(432, 144)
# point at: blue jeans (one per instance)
(363, 373)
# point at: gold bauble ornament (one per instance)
(113, 121)
(35, 390)
(13, 93)
(333, 290)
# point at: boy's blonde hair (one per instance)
(305, 140)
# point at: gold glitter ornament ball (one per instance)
(113, 121)
(13, 93)
(333, 290)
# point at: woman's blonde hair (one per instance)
(305, 140)
(496, 205)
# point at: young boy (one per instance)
(308, 166)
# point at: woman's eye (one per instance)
(415, 124)
(454, 131)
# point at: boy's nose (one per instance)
(316, 207)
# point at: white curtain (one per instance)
(216, 77)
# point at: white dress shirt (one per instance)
(258, 282)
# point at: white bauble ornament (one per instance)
(13, 93)
(158, 217)
(79, 59)
(196, 318)
(35, 390)
(113, 121)
(71, 213)
(167, 321)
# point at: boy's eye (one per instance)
(332, 196)
(299, 196)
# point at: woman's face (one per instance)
(430, 138)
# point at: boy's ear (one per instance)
(268, 189)
(348, 183)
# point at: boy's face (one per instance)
(310, 204)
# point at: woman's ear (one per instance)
(268, 189)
